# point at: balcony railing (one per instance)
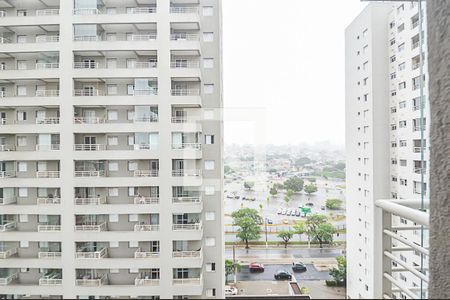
(47, 39)
(410, 210)
(189, 64)
(9, 226)
(186, 173)
(185, 92)
(142, 65)
(50, 281)
(418, 149)
(91, 254)
(146, 227)
(47, 12)
(101, 280)
(184, 10)
(146, 200)
(139, 147)
(41, 66)
(6, 148)
(188, 200)
(89, 147)
(85, 65)
(184, 37)
(128, 38)
(48, 120)
(87, 93)
(49, 255)
(47, 93)
(47, 174)
(145, 254)
(145, 119)
(7, 174)
(5, 253)
(146, 281)
(52, 147)
(193, 146)
(48, 201)
(88, 120)
(85, 11)
(141, 10)
(90, 201)
(8, 279)
(49, 228)
(146, 173)
(187, 227)
(187, 254)
(419, 170)
(89, 173)
(91, 227)
(182, 120)
(187, 281)
(7, 200)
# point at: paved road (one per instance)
(285, 253)
(310, 274)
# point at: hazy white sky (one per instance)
(284, 69)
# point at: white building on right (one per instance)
(384, 135)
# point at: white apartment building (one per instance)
(111, 149)
(383, 140)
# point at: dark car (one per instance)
(255, 267)
(282, 275)
(298, 267)
(269, 221)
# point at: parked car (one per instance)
(255, 267)
(282, 275)
(322, 207)
(298, 267)
(288, 213)
(237, 197)
(230, 290)
(230, 197)
(279, 211)
(269, 221)
(297, 213)
(285, 221)
(309, 204)
(284, 212)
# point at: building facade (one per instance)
(111, 149)
(383, 138)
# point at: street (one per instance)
(310, 274)
(281, 253)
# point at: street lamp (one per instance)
(265, 228)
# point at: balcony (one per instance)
(143, 280)
(48, 201)
(47, 174)
(48, 281)
(8, 226)
(145, 254)
(186, 200)
(49, 228)
(413, 211)
(184, 36)
(187, 254)
(7, 174)
(92, 281)
(101, 226)
(89, 147)
(186, 173)
(146, 227)
(90, 174)
(90, 201)
(122, 37)
(129, 10)
(187, 227)
(185, 64)
(52, 147)
(8, 200)
(89, 120)
(185, 92)
(188, 281)
(146, 173)
(90, 253)
(184, 9)
(183, 146)
(49, 255)
(7, 252)
(146, 200)
(9, 278)
(7, 148)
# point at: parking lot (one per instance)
(310, 274)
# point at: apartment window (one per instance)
(365, 80)
(394, 144)
(132, 166)
(366, 113)
(113, 192)
(113, 218)
(23, 192)
(23, 218)
(392, 24)
(24, 244)
(112, 89)
(365, 32)
(133, 218)
(400, 8)
(365, 65)
(22, 166)
(401, 27)
(208, 11)
(402, 124)
(113, 166)
(392, 42)
(209, 165)
(402, 66)
(393, 110)
(402, 104)
(366, 97)
(208, 36)
(210, 267)
(403, 162)
(113, 115)
(393, 127)
(365, 48)
(210, 241)
(403, 182)
(208, 63)
(113, 140)
(393, 92)
(402, 85)
(393, 161)
(393, 58)
(132, 191)
(401, 47)
(208, 88)
(210, 292)
(21, 115)
(210, 216)
(393, 75)
(130, 115)
(209, 190)
(402, 143)
(209, 139)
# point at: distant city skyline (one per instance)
(283, 84)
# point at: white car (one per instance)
(279, 211)
(230, 290)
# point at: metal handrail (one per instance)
(8, 226)
(187, 227)
(184, 9)
(49, 255)
(40, 66)
(142, 10)
(184, 37)
(47, 174)
(48, 201)
(51, 147)
(185, 92)
(47, 39)
(5, 253)
(48, 120)
(49, 228)
(90, 201)
(91, 227)
(186, 199)
(47, 93)
(85, 11)
(6, 201)
(195, 146)
(7, 148)
(146, 173)
(89, 173)
(89, 147)
(47, 12)
(146, 200)
(88, 120)
(146, 227)
(186, 173)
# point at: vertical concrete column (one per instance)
(438, 15)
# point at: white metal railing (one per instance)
(188, 200)
(47, 93)
(47, 174)
(146, 281)
(7, 280)
(48, 201)
(4, 40)
(187, 254)
(8, 226)
(47, 39)
(40, 66)
(415, 66)
(88, 120)
(146, 173)
(146, 227)
(184, 37)
(150, 92)
(2, 13)
(90, 201)
(91, 227)
(49, 255)
(418, 128)
(85, 65)
(187, 281)
(410, 210)
(49, 228)
(47, 12)
(186, 173)
(86, 38)
(185, 92)
(145, 254)
(48, 120)
(184, 10)
(143, 37)
(142, 65)
(52, 147)
(145, 119)
(3, 121)
(142, 10)
(91, 254)
(92, 281)
(194, 146)
(419, 170)
(89, 173)
(418, 149)
(7, 174)
(87, 93)
(5, 253)
(50, 281)
(8, 200)
(85, 11)
(7, 148)
(190, 64)
(146, 200)
(184, 119)
(89, 147)
(187, 227)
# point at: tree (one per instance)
(294, 183)
(249, 185)
(268, 200)
(273, 191)
(228, 170)
(286, 236)
(310, 188)
(260, 207)
(231, 268)
(318, 229)
(312, 179)
(340, 166)
(299, 228)
(333, 203)
(340, 273)
(248, 220)
(300, 162)
(288, 196)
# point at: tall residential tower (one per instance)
(111, 149)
